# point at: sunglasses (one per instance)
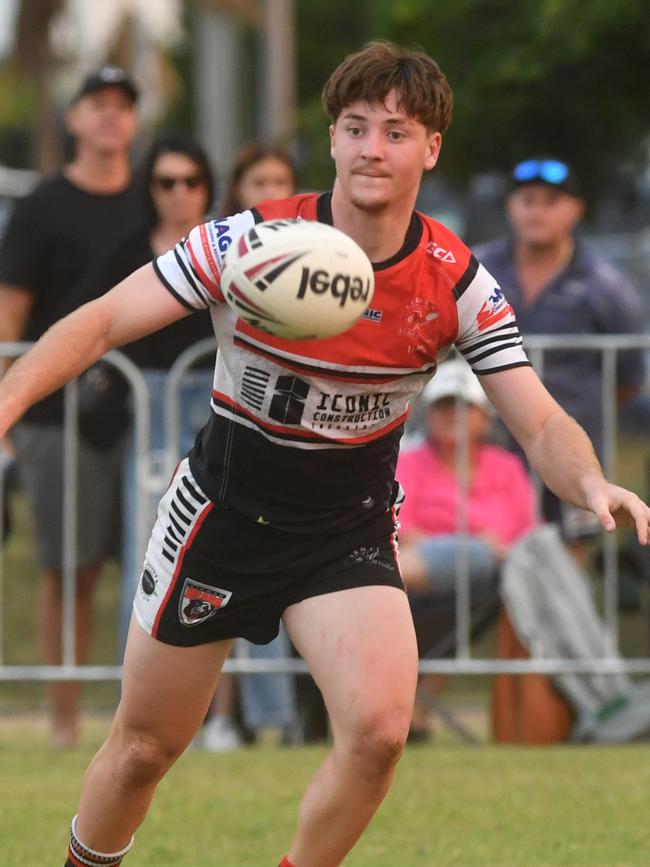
(549, 171)
(168, 182)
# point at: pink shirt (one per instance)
(501, 496)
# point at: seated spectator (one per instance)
(443, 513)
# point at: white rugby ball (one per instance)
(297, 279)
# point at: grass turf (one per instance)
(449, 805)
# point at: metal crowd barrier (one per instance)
(461, 662)
(140, 396)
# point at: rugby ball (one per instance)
(297, 279)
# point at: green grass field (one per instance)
(450, 805)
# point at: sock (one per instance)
(79, 855)
(286, 863)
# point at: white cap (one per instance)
(455, 379)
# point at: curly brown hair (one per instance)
(370, 74)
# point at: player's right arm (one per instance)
(137, 306)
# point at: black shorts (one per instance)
(211, 573)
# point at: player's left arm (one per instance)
(560, 451)
(556, 446)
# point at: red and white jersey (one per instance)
(304, 434)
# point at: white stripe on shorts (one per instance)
(181, 512)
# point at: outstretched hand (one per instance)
(617, 507)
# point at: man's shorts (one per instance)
(212, 574)
(39, 455)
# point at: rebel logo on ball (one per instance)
(342, 286)
(299, 280)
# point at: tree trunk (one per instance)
(32, 56)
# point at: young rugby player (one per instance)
(286, 506)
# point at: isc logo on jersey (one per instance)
(440, 253)
(297, 279)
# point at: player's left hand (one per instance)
(617, 507)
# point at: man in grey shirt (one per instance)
(558, 285)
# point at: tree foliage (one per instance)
(536, 76)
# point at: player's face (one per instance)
(269, 178)
(541, 216)
(179, 190)
(104, 121)
(380, 153)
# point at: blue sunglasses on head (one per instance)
(549, 171)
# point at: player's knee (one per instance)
(143, 762)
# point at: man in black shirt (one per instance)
(53, 238)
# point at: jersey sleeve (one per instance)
(191, 270)
(488, 336)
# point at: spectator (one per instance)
(54, 236)
(444, 512)
(556, 284)
(259, 172)
(178, 188)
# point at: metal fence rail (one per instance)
(49, 673)
(460, 663)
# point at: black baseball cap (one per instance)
(546, 170)
(107, 76)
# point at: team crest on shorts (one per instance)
(199, 602)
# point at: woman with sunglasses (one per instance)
(178, 188)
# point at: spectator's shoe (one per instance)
(220, 735)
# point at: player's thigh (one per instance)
(360, 647)
(166, 690)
